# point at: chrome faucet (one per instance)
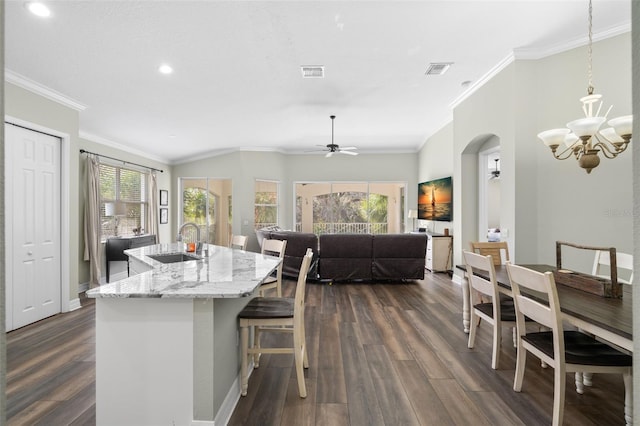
(197, 228)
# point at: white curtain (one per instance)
(152, 217)
(92, 225)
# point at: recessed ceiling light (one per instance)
(38, 9)
(165, 69)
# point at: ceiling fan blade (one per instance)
(329, 154)
(348, 147)
(347, 152)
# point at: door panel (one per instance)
(33, 226)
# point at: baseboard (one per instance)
(231, 400)
(202, 423)
(74, 304)
(457, 279)
(82, 287)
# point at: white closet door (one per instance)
(33, 225)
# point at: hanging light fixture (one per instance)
(584, 138)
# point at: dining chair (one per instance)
(500, 314)
(495, 249)
(565, 351)
(624, 262)
(276, 315)
(274, 248)
(238, 241)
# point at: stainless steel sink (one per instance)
(174, 257)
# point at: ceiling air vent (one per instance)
(312, 71)
(438, 68)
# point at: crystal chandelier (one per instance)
(584, 138)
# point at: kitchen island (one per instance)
(167, 337)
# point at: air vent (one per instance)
(438, 68)
(312, 71)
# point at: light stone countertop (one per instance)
(224, 273)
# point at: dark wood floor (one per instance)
(380, 354)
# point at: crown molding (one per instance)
(483, 80)
(103, 141)
(533, 54)
(39, 89)
(539, 53)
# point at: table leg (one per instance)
(465, 304)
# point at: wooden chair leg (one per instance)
(559, 384)
(256, 346)
(244, 367)
(579, 382)
(298, 353)
(497, 341)
(628, 398)
(473, 325)
(521, 360)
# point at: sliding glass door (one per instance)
(207, 203)
(350, 207)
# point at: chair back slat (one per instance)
(493, 249)
(524, 283)
(477, 263)
(238, 241)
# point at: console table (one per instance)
(439, 250)
(115, 247)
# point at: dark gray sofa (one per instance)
(349, 257)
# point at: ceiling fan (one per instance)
(335, 148)
(494, 174)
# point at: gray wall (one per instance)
(542, 199)
(245, 167)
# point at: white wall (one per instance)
(244, 167)
(542, 199)
(435, 160)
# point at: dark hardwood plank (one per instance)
(380, 354)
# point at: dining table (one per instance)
(609, 319)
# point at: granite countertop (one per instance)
(223, 272)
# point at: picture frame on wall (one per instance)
(164, 197)
(164, 216)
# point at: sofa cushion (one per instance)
(297, 245)
(345, 256)
(399, 256)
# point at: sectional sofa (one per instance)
(351, 257)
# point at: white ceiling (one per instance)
(237, 82)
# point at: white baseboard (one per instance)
(457, 279)
(231, 400)
(74, 304)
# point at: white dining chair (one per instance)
(565, 351)
(498, 315)
(238, 242)
(624, 263)
(276, 315)
(274, 248)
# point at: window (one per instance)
(266, 204)
(123, 206)
(350, 207)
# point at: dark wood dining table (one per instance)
(608, 318)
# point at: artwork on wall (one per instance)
(164, 197)
(435, 200)
(164, 216)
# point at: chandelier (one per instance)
(584, 138)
